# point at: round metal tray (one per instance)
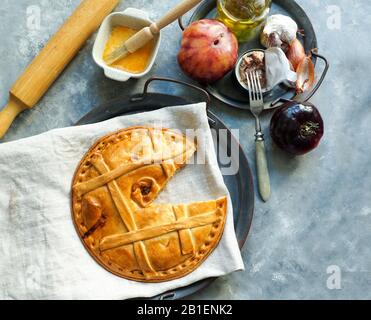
(227, 89)
(240, 186)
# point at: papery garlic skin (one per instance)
(278, 69)
(279, 31)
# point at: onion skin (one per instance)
(297, 128)
(296, 53)
(306, 75)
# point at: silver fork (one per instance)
(256, 107)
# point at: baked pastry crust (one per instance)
(113, 190)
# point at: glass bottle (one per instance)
(243, 17)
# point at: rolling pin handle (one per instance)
(9, 113)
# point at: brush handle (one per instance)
(179, 10)
(147, 34)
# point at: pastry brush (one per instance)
(146, 34)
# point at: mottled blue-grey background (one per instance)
(320, 211)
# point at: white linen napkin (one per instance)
(41, 255)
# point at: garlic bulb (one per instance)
(279, 31)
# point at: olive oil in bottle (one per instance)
(243, 17)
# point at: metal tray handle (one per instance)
(181, 24)
(315, 88)
(164, 79)
(323, 75)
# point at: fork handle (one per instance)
(262, 168)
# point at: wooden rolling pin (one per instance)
(53, 58)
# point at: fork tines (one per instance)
(253, 82)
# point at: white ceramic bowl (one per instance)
(131, 18)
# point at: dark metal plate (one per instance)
(240, 185)
(228, 90)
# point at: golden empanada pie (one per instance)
(113, 191)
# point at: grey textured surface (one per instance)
(320, 211)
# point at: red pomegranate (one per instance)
(209, 51)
